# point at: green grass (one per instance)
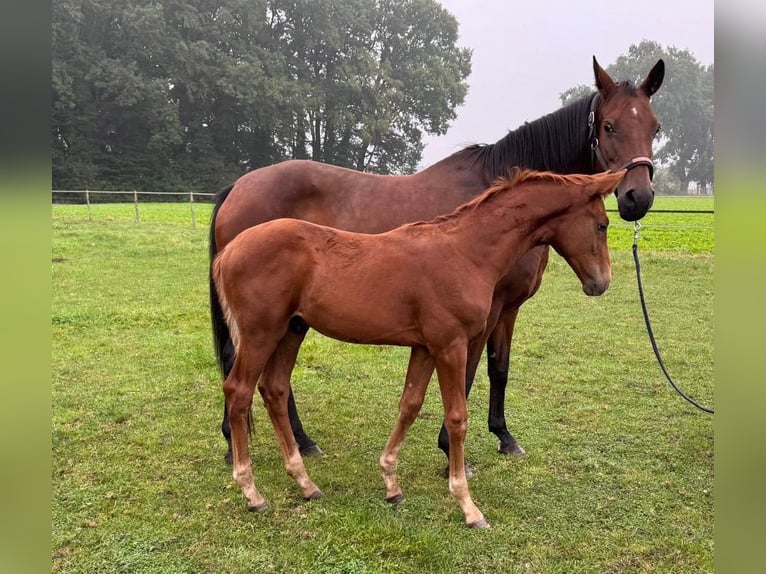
(618, 475)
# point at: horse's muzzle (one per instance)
(634, 202)
(595, 287)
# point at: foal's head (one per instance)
(578, 233)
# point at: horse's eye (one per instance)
(658, 132)
(602, 227)
(609, 128)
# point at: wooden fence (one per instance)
(90, 197)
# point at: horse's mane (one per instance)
(546, 143)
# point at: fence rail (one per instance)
(91, 197)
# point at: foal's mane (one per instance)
(517, 176)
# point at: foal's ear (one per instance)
(653, 79)
(607, 181)
(604, 81)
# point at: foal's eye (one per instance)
(609, 128)
(658, 132)
(602, 227)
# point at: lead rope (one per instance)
(636, 228)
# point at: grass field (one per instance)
(618, 475)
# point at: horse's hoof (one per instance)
(316, 495)
(512, 448)
(482, 523)
(311, 450)
(228, 457)
(468, 472)
(258, 507)
(395, 499)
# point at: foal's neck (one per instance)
(496, 233)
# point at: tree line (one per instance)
(186, 95)
(189, 94)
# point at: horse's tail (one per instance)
(221, 334)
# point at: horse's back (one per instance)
(342, 198)
(299, 189)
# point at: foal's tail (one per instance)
(221, 334)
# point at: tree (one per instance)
(189, 94)
(369, 78)
(684, 106)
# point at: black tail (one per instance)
(221, 334)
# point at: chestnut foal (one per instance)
(428, 286)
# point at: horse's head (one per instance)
(623, 130)
(580, 236)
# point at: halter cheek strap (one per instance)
(596, 150)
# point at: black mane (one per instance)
(555, 142)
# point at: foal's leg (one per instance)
(307, 445)
(450, 366)
(238, 390)
(498, 361)
(474, 356)
(419, 372)
(274, 387)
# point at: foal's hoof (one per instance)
(479, 524)
(468, 472)
(395, 499)
(316, 495)
(311, 450)
(258, 507)
(511, 448)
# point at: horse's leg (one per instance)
(451, 367)
(306, 445)
(238, 391)
(498, 360)
(274, 387)
(227, 359)
(419, 372)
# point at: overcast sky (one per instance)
(526, 53)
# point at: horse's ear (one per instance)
(604, 82)
(654, 79)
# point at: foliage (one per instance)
(618, 475)
(684, 105)
(189, 94)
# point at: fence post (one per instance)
(191, 203)
(135, 202)
(87, 201)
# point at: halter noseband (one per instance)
(596, 151)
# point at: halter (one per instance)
(596, 150)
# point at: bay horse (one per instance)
(612, 129)
(428, 286)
